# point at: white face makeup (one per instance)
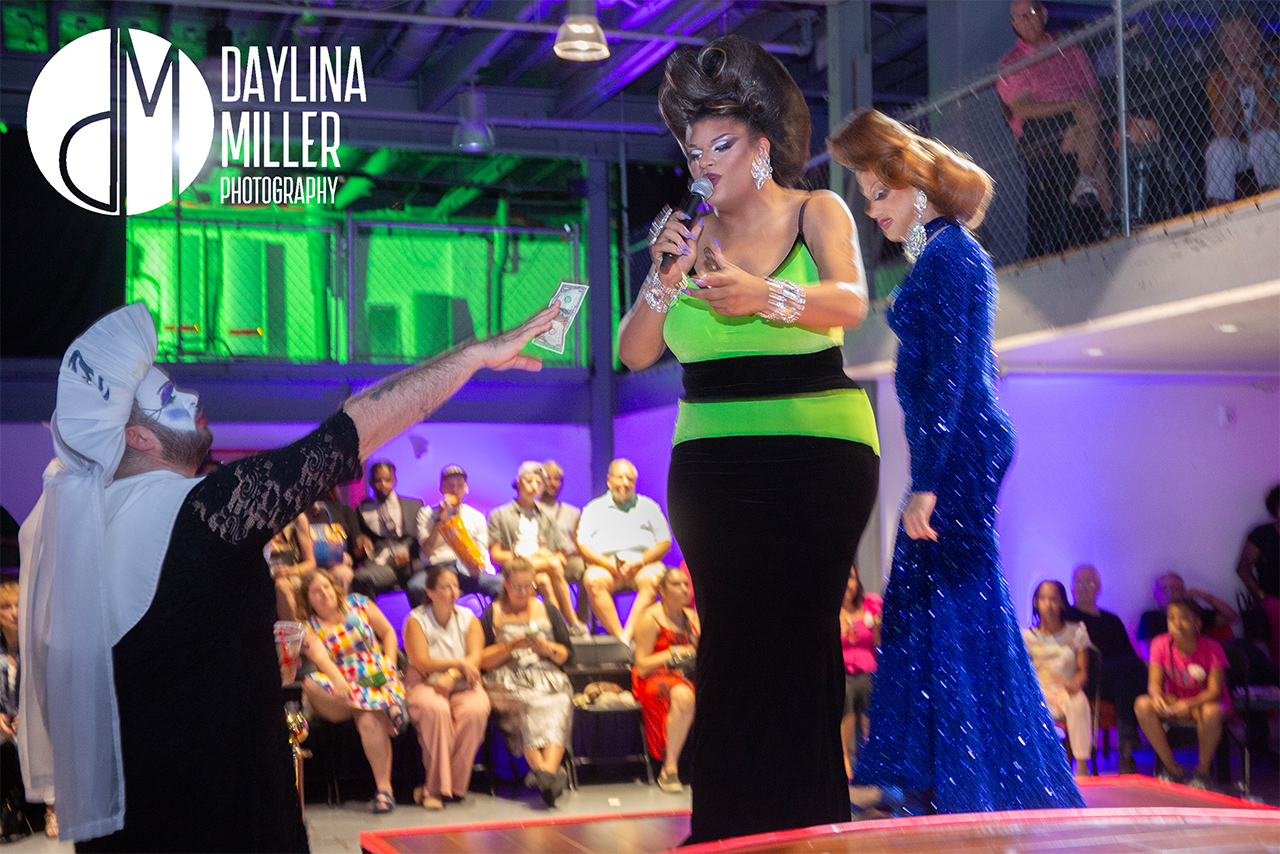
(162, 401)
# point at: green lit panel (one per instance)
(74, 23)
(25, 26)
(236, 292)
(423, 292)
(535, 266)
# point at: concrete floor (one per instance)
(337, 829)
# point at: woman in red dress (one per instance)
(666, 643)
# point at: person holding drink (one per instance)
(456, 535)
(527, 648)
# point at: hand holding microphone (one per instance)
(678, 234)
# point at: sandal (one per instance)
(383, 803)
(670, 783)
(398, 713)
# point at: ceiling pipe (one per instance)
(442, 21)
(452, 118)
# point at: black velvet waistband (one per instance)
(740, 377)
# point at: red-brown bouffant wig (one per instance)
(900, 157)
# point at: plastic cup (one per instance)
(288, 648)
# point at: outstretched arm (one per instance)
(388, 408)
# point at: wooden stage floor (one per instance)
(1125, 815)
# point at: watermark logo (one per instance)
(120, 121)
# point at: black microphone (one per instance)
(699, 192)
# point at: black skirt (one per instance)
(769, 526)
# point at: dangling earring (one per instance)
(915, 237)
(761, 169)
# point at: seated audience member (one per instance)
(523, 528)
(623, 538)
(1058, 651)
(1185, 684)
(388, 535)
(437, 552)
(566, 516)
(859, 639)
(334, 528)
(312, 540)
(447, 703)
(290, 557)
(1216, 616)
(14, 797)
(1244, 112)
(1123, 676)
(666, 647)
(1053, 106)
(1259, 568)
(527, 648)
(354, 649)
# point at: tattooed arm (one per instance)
(384, 410)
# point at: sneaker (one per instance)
(578, 630)
(1085, 186)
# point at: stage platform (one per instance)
(1125, 815)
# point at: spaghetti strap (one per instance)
(800, 224)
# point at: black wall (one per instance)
(61, 266)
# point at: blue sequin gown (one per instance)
(957, 711)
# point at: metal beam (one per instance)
(473, 51)
(436, 20)
(600, 277)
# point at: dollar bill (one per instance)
(569, 296)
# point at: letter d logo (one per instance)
(120, 122)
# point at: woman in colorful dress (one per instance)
(1059, 653)
(859, 640)
(666, 644)
(355, 636)
(775, 460)
(957, 718)
(527, 647)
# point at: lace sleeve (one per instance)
(246, 502)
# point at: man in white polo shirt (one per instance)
(623, 537)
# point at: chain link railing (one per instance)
(357, 291)
(1121, 124)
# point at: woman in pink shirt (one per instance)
(859, 639)
(1184, 684)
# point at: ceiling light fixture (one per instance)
(580, 37)
(1094, 351)
(1228, 328)
(472, 133)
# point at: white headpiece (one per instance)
(72, 610)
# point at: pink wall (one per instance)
(490, 453)
(1137, 475)
(645, 439)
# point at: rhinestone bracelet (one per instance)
(659, 297)
(786, 301)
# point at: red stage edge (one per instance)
(372, 840)
(1227, 808)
